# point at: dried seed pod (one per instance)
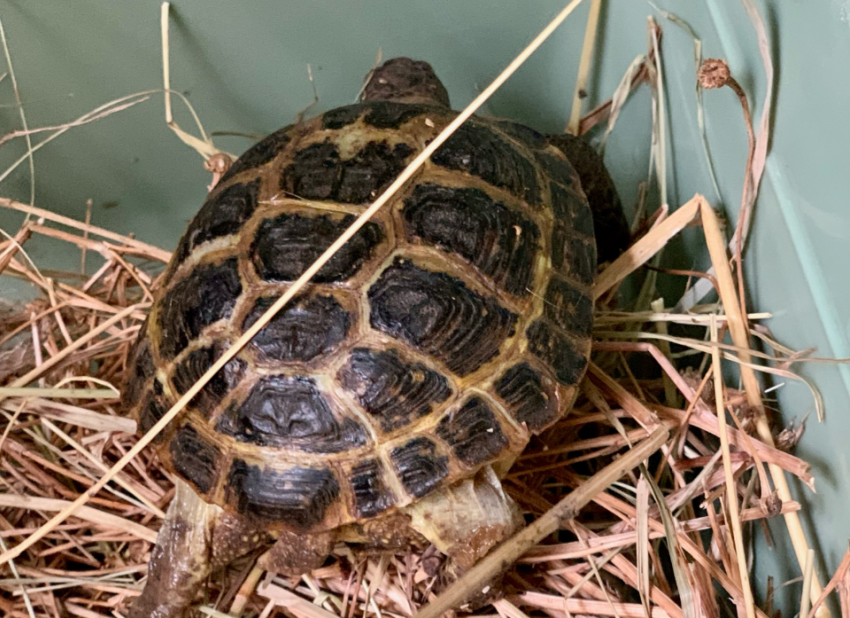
(713, 73)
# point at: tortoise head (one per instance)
(405, 81)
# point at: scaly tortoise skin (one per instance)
(451, 328)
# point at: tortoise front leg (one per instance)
(195, 538)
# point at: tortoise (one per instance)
(385, 402)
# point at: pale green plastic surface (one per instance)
(244, 67)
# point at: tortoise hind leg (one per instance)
(195, 538)
(466, 521)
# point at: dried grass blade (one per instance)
(698, 91)
(19, 104)
(580, 93)
(840, 572)
(643, 250)
(289, 600)
(678, 562)
(66, 351)
(637, 410)
(58, 393)
(621, 95)
(586, 607)
(119, 479)
(740, 336)
(763, 136)
(599, 544)
(87, 513)
(149, 250)
(708, 422)
(642, 545)
(509, 551)
(731, 488)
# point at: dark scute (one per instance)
(287, 245)
(522, 133)
(307, 327)
(151, 411)
(419, 468)
(569, 207)
(568, 308)
(314, 174)
(317, 172)
(530, 402)
(439, 315)
(141, 369)
(394, 392)
(480, 151)
(298, 496)
(374, 167)
(558, 352)
(498, 240)
(371, 495)
(207, 295)
(342, 116)
(196, 364)
(557, 168)
(391, 115)
(260, 153)
(473, 433)
(221, 215)
(195, 459)
(379, 114)
(293, 413)
(573, 255)
(612, 228)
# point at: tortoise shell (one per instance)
(451, 328)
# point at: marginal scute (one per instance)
(207, 295)
(141, 368)
(528, 396)
(260, 153)
(150, 412)
(319, 173)
(558, 352)
(379, 114)
(194, 458)
(567, 307)
(418, 466)
(286, 245)
(573, 255)
(308, 327)
(194, 365)
(473, 433)
(522, 133)
(478, 150)
(371, 495)
(290, 413)
(222, 214)
(500, 241)
(391, 115)
(557, 168)
(570, 208)
(439, 315)
(396, 393)
(297, 496)
(342, 116)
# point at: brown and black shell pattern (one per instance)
(454, 325)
